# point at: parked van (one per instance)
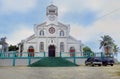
(108, 61)
(94, 61)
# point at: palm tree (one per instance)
(107, 43)
(116, 49)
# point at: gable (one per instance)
(40, 25)
(31, 38)
(63, 25)
(72, 40)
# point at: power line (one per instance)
(108, 13)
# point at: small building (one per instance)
(0, 48)
(3, 45)
(51, 37)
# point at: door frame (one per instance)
(51, 51)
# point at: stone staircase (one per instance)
(52, 62)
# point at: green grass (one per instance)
(52, 62)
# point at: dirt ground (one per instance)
(80, 72)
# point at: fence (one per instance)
(27, 56)
(13, 56)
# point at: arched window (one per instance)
(51, 41)
(62, 47)
(41, 33)
(31, 47)
(61, 33)
(41, 46)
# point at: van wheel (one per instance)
(86, 64)
(111, 64)
(93, 65)
(99, 64)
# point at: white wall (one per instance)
(18, 62)
(24, 62)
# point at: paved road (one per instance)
(80, 72)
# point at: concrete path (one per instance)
(80, 72)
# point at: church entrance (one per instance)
(51, 52)
(31, 51)
(72, 51)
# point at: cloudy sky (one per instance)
(89, 19)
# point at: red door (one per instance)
(72, 51)
(31, 52)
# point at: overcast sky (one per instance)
(89, 19)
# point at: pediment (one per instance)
(41, 25)
(72, 40)
(62, 25)
(30, 38)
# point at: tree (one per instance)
(87, 50)
(115, 49)
(12, 48)
(107, 43)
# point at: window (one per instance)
(52, 11)
(61, 33)
(41, 33)
(62, 47)
(51, 41)
(41, 46)
(31, 47)
(72, 49)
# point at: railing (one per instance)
(27, 55)
(77, 55)
(22, 55)
(45, 54)
(74, 54)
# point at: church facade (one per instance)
(51, 37)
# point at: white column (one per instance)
(46, 51)
(19, 48)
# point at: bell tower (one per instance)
(52, 13)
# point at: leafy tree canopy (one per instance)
(12, 48)
(116, 49)
(87, 49)
(106, 41)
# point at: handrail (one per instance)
(15, 54)
(21, 55)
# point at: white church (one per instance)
(51, 37)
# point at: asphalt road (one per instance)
(80, 72)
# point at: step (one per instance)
(52, 62)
